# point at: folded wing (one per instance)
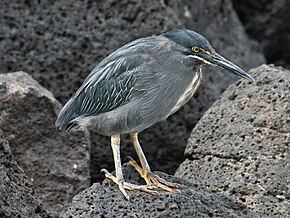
(108, 86)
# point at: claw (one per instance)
(110, 176)
(121, 187)
(104, 171)
(128, 158)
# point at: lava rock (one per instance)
(59, 43)
(17, 197)
(57, 164)
(106, 200)
(241, 145)
(267, 21)
(164, 143)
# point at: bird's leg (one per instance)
(145, 172)
(119, 179)
(115, 143)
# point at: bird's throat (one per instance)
(189, 90)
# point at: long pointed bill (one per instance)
(221, 62)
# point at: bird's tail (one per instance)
(65, 120)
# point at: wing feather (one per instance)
(109, 85)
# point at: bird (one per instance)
(137, 86)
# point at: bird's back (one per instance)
(110, 84)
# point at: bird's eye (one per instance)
(196, 49)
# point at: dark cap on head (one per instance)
(188, 39)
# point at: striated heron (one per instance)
(138, 85)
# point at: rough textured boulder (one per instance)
(60, 42)
(105, 200)
(241, 145)
(17, 197)
(267, 21)
(57, 164)
(164, 143)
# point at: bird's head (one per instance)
(197, 47)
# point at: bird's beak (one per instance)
(218, 60)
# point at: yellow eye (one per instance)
(196, 49)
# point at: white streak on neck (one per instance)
(189, 91)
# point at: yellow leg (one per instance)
(115, 143)
(119, 179)
(130, 186)
(145, 172)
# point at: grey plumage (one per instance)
(139, 84)
(112, 83)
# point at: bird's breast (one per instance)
(189, 91)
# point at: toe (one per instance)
(163, 184)
(163, 181)
(122, 189)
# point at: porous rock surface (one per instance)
(164, 142)
(267, 21)
(241, 145)
(106, 200)
(57, 164)
(59, 43)
(17, 197)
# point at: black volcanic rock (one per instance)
(17, 197)
(267, 21)
(59, 43)
(241, 145)
(105, 200)
(57, 164)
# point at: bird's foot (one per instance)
(153, 180)
(125, 185)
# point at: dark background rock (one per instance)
(267, 21)
(241, 145)
(57, 164)
(17, 197)
(59, 42)
(164, 143)
(105, 200)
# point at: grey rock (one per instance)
(241, 145)
(57, 164)
(105, 200)
(267, 21)
(17, 197)
(59, 43)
